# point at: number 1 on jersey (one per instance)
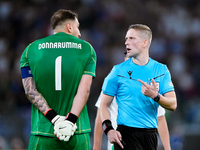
(58, 73)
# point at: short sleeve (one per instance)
(167, 84)
(98, 103)
(24, 61)
(91, 65)
(110, 84)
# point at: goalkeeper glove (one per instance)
(64, 130)
(53, 117)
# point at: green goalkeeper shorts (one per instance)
(76, 142)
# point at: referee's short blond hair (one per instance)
(145, 30)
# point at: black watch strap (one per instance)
(157, 98)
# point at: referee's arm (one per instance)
(105, 104)
(168, 101)
(114, 136)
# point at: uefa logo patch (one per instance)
(157, 86)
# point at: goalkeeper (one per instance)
(57, 73)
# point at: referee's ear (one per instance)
(145, 44)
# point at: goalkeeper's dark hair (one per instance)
(61, 16)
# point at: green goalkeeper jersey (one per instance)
(57, 63)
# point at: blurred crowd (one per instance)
(103, 23)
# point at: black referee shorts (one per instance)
(137, 138)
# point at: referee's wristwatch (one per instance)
(157, 98)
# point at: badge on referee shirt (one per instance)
(157, 86)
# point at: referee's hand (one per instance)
(114, 136)
(149, 90)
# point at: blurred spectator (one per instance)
(3, 143)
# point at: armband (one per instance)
(26, 72)
(107, 126)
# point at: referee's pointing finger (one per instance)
(118, 140)
(143, 83)
(120, 144)
(153, 82)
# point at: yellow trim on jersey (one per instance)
(86, 141)
(49, 134)
(26, 55)
(94, 61)
(37, 143)
(87, 72)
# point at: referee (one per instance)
(140, 85)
